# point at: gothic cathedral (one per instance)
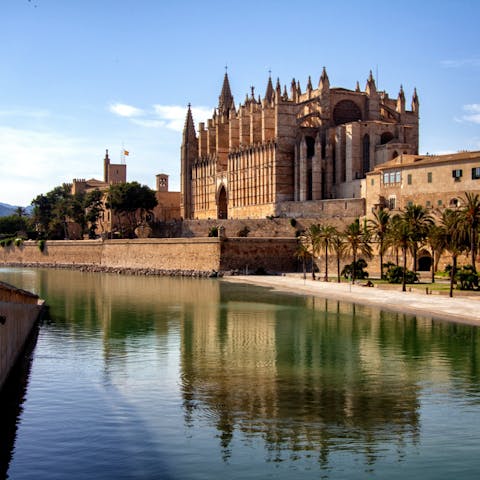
(296, 148)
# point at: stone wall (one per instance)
(250, 255)
(19, 312)
(193, 254)
(173, 256)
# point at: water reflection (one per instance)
(12, 397)
(304, 378)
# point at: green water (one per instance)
(148, 377)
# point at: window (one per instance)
(386, 178)
(392, 201)
(397, 177)
(409, 203)
(392, 177)
(429, 177)
(428, 204)
(409, 179)
(475, 173)
(439, 203)
(454, 202)
(457, 174)
(372, 182)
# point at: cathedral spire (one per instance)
(269, 90)
(309, 84)
(415, 102)
(189, 128)
(357, 87)
(401, 101)
(324, 82)
(225, 100)
(371, 87)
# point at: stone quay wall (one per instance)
(19, 311)
(170, 256)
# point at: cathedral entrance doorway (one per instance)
(222, 209)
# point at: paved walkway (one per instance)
(462, 309)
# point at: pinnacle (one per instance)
(225, 99)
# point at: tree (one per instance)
(436, 242)
(470, 215)
(401, 236)
(379, 227)
(52, 211)
(130, 201)
(327, 232)
(419, 221)
(456, 239)
(302, 254)
(338, 248)
(311, 239)
(93, 206)
(13, 225)
(357, 240)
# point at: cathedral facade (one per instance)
(291, 148)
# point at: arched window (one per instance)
(222, 208)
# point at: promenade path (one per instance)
(461, 308)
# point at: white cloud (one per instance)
(25, 113)
(124, 110)
(149, 123)
(473, 114)
(462, 62)
(174, 115)
(171, 117)
(34, 162)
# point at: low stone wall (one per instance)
(249, 255)
(169, 255)
(181, 256)
(19, 311)
(348, 208)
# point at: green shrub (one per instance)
(213, 232)
(360, 273)
(395, 275)
(18, 242)
(243, 232)
(41, 245)
(466, 278)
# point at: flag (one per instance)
(126, 152)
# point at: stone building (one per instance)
(288, 151)
(168, 207)
(433, 181)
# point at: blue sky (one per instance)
(81, 76)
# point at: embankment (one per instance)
(170, 256)
(19, 311)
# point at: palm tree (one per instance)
(419, 221)
(401, 236)
(379, 226)
(338, 247)
(327, 232)
(311, 239)
(456, 239)
(302, 254)
(436, 242)
(470, 215)
(357, 242)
